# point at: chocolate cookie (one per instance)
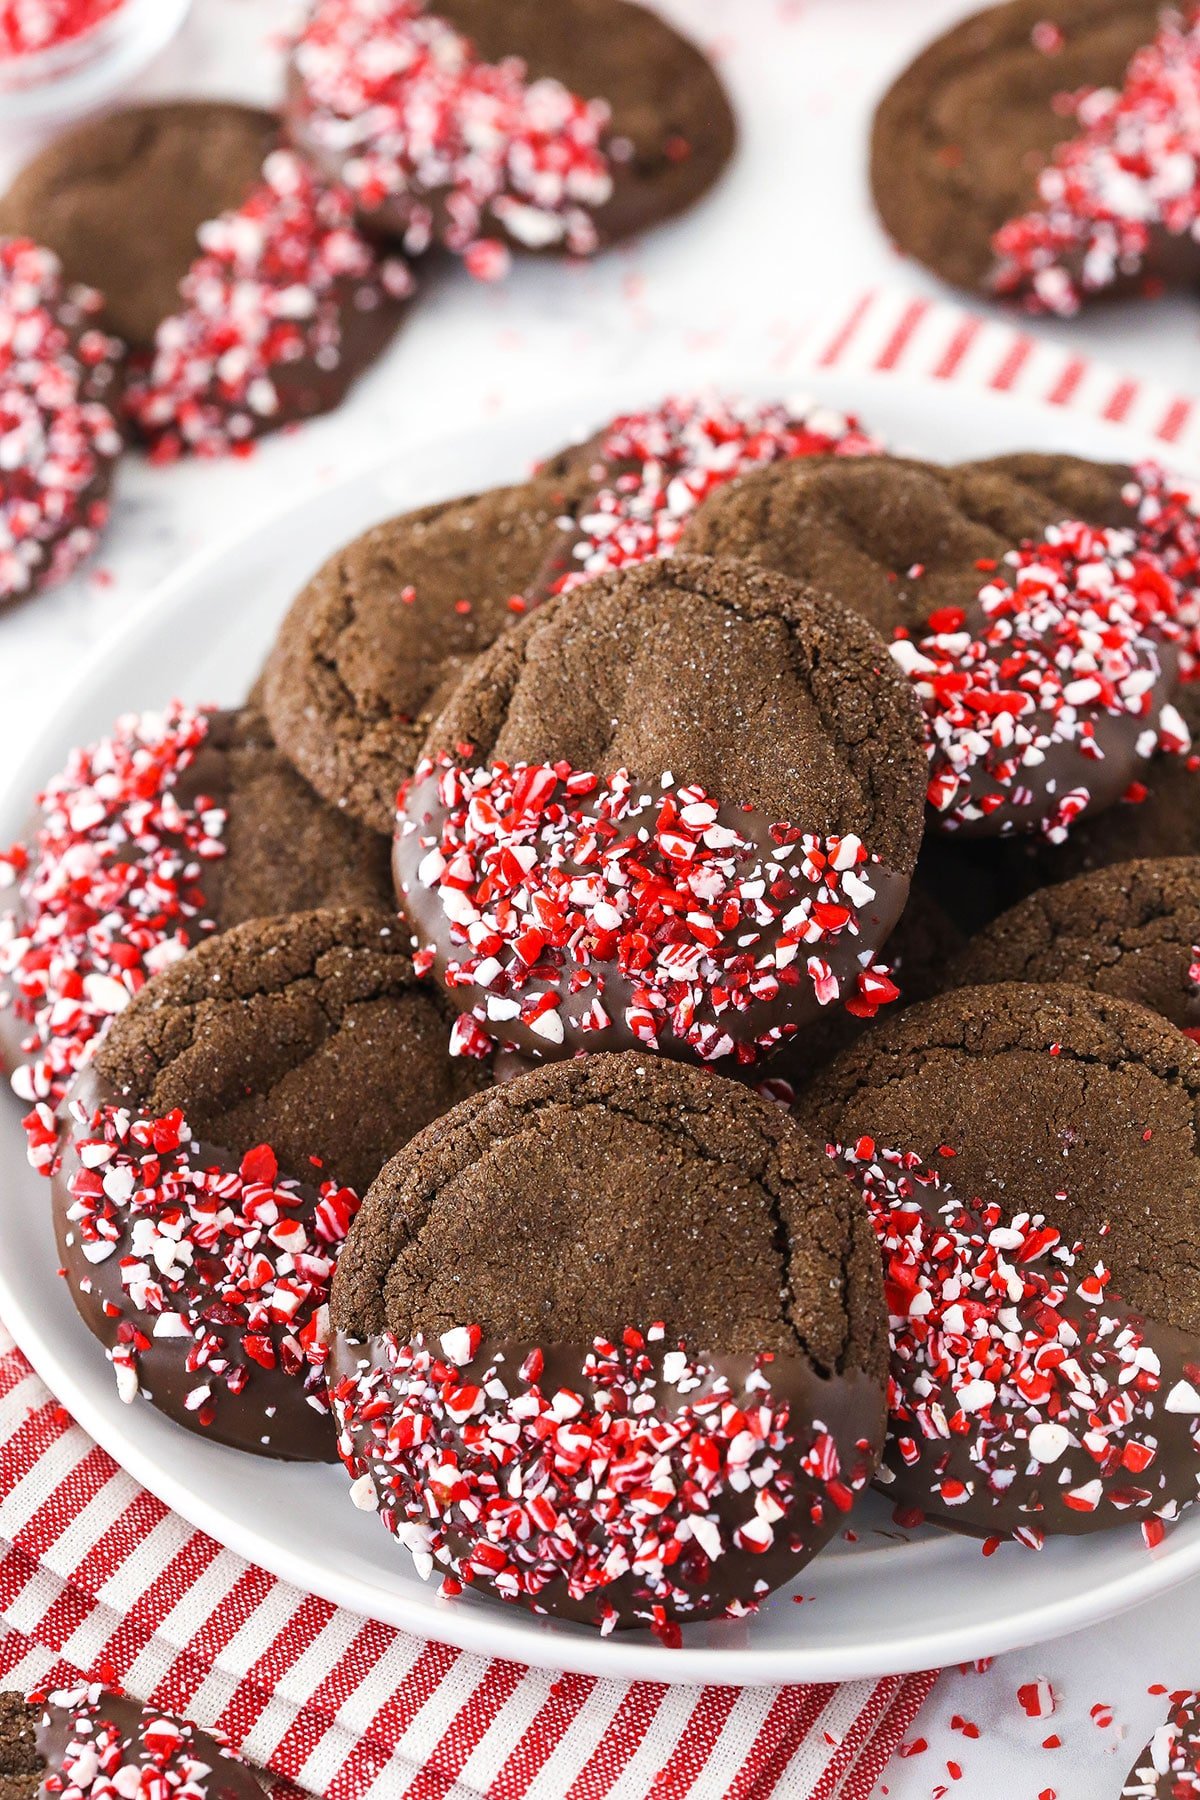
(59, 384)
(375, 643)
(699, 1311)
(678, 808)
(1169, 1766)
(212, 1155)
(1132, 930)
(560, 127)
(238, 279)
(1037, 648)
(970, 139)
(177, 826)
(1031, 1159)
(86, 1740)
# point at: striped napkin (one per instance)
(99, 1577)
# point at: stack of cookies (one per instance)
(674, 999)
(187, 276)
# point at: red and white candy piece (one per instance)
(1130, 175)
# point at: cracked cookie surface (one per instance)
(611, 1190)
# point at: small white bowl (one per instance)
(73, 77)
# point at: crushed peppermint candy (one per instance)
(58, 439)
(118, 1749)
(661, 465)
(415, 119)
(270, 294)
(1129, 176)
(621, 909)
(1012, 1358)
(1168, 527)
(1068, 634)
(110, 890)
(1170, 1763)
(651, 1467)
(232, 1259)
(27, 26)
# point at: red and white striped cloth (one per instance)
(886, 331)
(96, 1575)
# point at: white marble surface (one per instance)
(787, 240)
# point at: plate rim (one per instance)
(508, 1632)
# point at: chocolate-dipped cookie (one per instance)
(1047, 152)
(1044, 651)
(1169, 1767)
(695, 1321)
(1031, 1160)
(211, 1157)
(120, 199)
(376, 641)
(176, 826)
(75, 1742)
(559, 127)
(238, 280)
(1132, 930)
(59, 387)
(679, 807)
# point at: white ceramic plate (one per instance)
(883, 1604)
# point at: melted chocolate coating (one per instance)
(842, 1406)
